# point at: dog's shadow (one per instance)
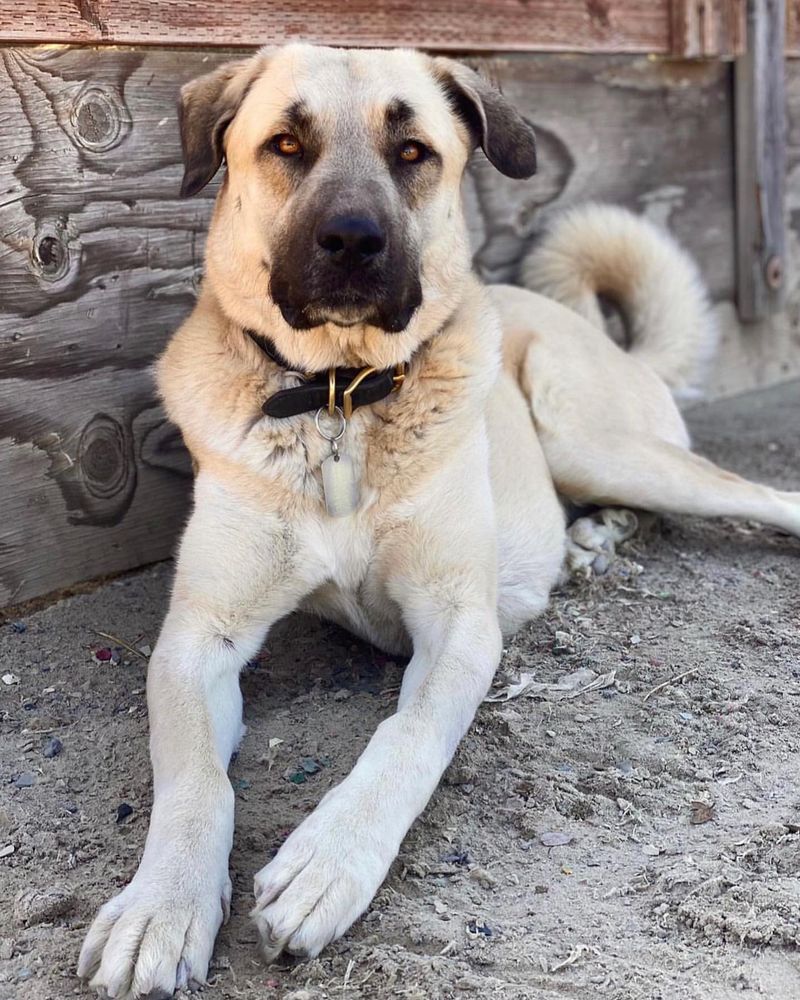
(304, 653)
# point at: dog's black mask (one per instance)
(345, 261)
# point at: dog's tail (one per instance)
(605, 251)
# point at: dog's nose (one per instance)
(350, 239)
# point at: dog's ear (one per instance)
(503, 134)
(206, 108)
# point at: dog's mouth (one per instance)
(347, 307)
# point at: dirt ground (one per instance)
(680, 803)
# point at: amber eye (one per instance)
(413, 152)
(287, 145)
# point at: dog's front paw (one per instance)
(322, 879)
(156, 936)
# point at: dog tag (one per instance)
(339, 485)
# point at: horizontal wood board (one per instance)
(599, 25)
(100, 261)
(696, 28)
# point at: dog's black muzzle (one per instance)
(347, 269)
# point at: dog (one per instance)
(383, 441)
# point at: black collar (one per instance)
(347, 388)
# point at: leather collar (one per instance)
(346, 388)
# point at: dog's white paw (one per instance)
(591, 541)
(156, 936)
(322, 878)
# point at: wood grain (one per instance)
(575, 25)
(760, 110)
(684, 28)
(703, 29)
(99, 262)
(793, 28)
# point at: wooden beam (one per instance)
(498, 25)
(793, 28)
(760, 113)
(704, 29)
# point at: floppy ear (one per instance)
(206, 107)
(503, 134)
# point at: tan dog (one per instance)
(432, 524)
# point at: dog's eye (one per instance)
(413, 152)
(287, 145)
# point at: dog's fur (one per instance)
(511, 399)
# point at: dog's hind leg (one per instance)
(642, 471)
(530, 519)
(238, 571)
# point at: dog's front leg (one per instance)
(440, 569)
(238, 571)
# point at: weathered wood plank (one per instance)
(99, 262)
(760, 108)
(708, 28)
(793, 28)
(574, 25)
(684, 28)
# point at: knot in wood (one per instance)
(773, 272)
(50, 254)
(99, 119)
(103, 457)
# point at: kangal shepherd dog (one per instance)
(383, 441)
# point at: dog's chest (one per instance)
(385, 452)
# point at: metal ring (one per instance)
(340, 434)
(331, 391)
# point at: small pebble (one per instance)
(26, 780)
(6, 948)
(563, 644)
(123, 811)
(19, 627)
(555, 838)
(53, 747)
(482, 877)
(461, 858)
(42, 906)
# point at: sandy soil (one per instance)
(680, 805)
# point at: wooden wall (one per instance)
(676, 27)
(682, 28)
(99, 261)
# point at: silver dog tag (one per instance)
(339, 485)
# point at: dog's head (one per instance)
(338, 229)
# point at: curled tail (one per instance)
(595, 250)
